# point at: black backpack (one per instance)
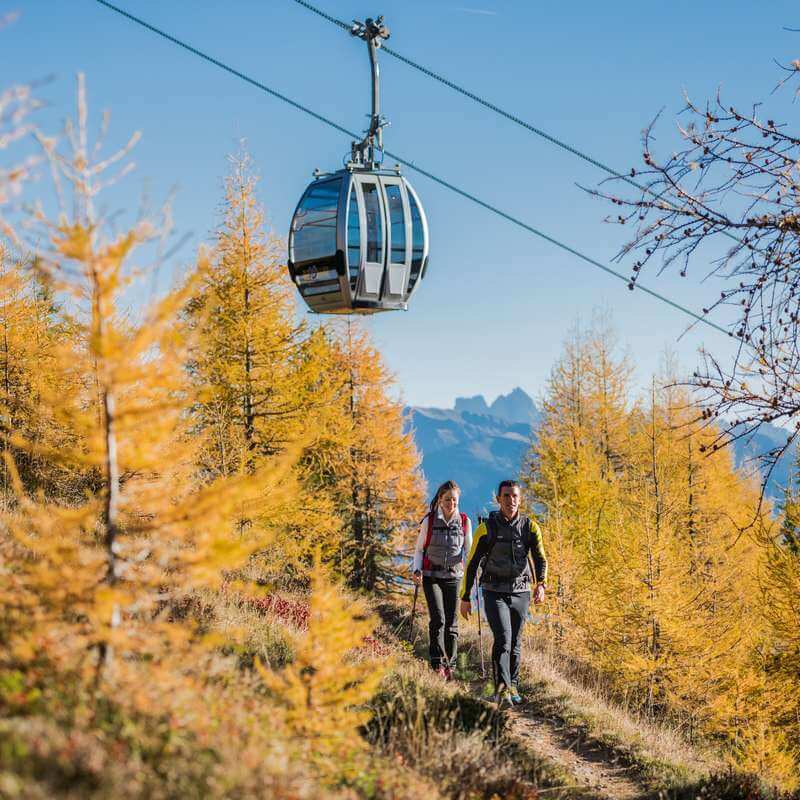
(492, 533)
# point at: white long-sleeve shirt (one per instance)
(423, 534)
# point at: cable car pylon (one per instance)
(358, 241)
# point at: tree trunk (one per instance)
(110, 514)
(652, 566)
(248, 410)
(357, 575)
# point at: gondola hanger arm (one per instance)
(372, 31)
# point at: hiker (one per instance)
(445, 537)
(508, 548)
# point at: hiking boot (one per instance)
(441, 672)
(503, 699)
(448, 674)
(516, 697)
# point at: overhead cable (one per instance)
(507, 114)
(411, 165)
(482, 101)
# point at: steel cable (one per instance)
(411, 165)
(506, 114)
(482, 101)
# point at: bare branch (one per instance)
(738, 177)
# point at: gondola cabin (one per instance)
(358, 242)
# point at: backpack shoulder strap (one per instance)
(530, 527)
(429, 533)
(491, 529)
(464, 534)
(491, 536)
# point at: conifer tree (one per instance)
(30, 330)
(373, 472)
(264, 382)
(325, 688)
(248, 357)
(781, 606)
(96, 578)
(683, 602)
(573, 471)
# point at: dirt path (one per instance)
(593, 768)
(589, 766)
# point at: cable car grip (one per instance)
(363, 153)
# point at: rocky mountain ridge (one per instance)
(477, 444)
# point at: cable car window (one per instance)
(328, 288)
(417, 236)
(315, 222)
(372, 208)
(353, 239)
(398, 223)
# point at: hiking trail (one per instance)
(595, 769)
(591, 767)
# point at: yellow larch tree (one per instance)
(30, 329)
(95, 582)
(682, 589)
(325, 689)
(371, 467)
(263, 381)
(779, 650)
(574, 470)
(247, 357)
(781, 603)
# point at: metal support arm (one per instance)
(372, 32)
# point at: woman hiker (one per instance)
(445, 537)
(501, 547)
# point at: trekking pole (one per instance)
(413, 612)
(480, 633)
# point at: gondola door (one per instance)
(398, 261)
(373, 237)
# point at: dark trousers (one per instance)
(442, 597)
(505, 613)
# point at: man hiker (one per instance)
(501, 547)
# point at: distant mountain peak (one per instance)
(516, 406)
(474, 405)
(471, 445)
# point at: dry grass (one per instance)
(227, 742)
(255, 632)
(655, 750)
(456, 740)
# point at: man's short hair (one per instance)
(507, 483)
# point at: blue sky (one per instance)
(497, 302)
